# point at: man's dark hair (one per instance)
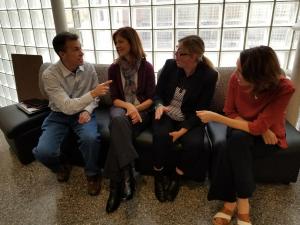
(59, 41)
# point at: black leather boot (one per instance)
(159, 186)
(114, 198)
(173, 187)
(128, 184)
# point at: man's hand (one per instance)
(133, 113)
(269, 137)
(84, 117)
(206, 116)
(101, 89)
(160, 110)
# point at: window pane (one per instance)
(257, 36)
(10, 81)
(8, 36)
(34, 4)
(98, 2)
(49, 22)
(281, 38)
(140, 2)
(44, 52)
(146, 38)
(160, 59)
(25, 19)
(10, 4)
(20, 50)
(14, 19)
(119, 2)
(235, 15)
(79, 3)
(163, 17)
(211, 38)
(283, 58)
(11, 49)
(89, 56)
(69, 18)
(37, 19)
(229, 58)
(233, 39)
(296, 39)
(100, 18)
(210, 15)
(40, 38)
(260, 14)
(285, 13)
(141, 17)
(22, 4)
(3, 52)
(31, 50)
(161, 2)
(292, 58)
(163, 40)
(120, 17)
(104, 57)
(46, 3)
(50, 35)
(86, 39)
(183, 33)
(213, 57)
(18, 36)
(186, 16)
(54, 57)
(82, 18)
(4, 19)
(103, 40)
(2, 41)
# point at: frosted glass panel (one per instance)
(31, 50)
(233, 39)
(146, 38)
(14, 19)
(182, 33)
(211, 38)
(3, 52)
(28, 37)
(229, 58)
(34, 4)
(20, 50)
(10, 4)
(163, 17)
(48, 16)
(22, 4)
(283, 58)
(40, 38)
(98, 2)
(285, 13)
(4, 19)
(11, 49)
(210, 15)
(281, 38)
(260, 14)
(213, 57)
(160, 59)
(86, 39)
(104, 57)
(257, 36)
(103, 40)
(44, 52)
(37, 21)
(8, 36)
(100, 18)
(120, 17)
(25, 18)
(18, 36)
(163, 40)
(89, 56)
(141, 17)
(186, 16)
(82, 18)
(235, 15)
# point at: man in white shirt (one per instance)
(73, 90)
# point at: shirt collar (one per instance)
(67, 72)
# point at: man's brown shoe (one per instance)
(93, 185)
(63, 174)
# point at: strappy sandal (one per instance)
(225, 215)
(242, 222)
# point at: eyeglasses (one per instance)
(178, 53)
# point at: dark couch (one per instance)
(22, 132)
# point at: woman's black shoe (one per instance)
(128, 185)
(173, 187)
(159, 186)
(114, 198)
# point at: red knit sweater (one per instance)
(266, 111)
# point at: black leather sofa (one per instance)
(22, 132)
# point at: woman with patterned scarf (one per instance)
(132, 91)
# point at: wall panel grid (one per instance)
(226, 26)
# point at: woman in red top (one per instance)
(255, 106)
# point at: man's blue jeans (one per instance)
(54, 129)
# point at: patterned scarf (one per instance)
(128, 72)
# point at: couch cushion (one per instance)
(218, 100)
